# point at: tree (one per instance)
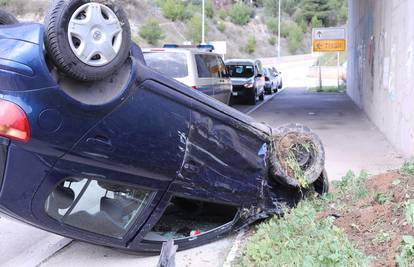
(240, 14)
(151, 31)
(318, 8)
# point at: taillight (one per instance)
(13, 122)
(194, 87)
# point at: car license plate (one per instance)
(235, 93)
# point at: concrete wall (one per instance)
(381, 66)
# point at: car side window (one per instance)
(100, 207)
(207, 66)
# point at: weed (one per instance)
(352, 186)
(329, 89)
(407, 169)
(409, 211)
(382, 198)
(406, 257)
(382, 237)
(300, 239)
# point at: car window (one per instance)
(241, 71)
(171, 64)
(222, 68)
(207, 66)
(100, 207)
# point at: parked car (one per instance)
(135, 158)
(271, 81)
(193, 66)
(279, 77)
(247, 78)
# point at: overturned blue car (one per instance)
(98, 147)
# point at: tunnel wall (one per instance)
(380, 66)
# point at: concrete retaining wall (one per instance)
(381, 66)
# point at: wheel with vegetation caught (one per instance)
(6, 18)
(298, 156)
(88, 40)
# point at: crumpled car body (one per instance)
(106, 168)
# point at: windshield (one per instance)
(171, 64)
(241, 71)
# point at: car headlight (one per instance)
(249, 85)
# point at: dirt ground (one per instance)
(376, 223)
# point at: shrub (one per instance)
(221, 26)
(273, 26)
(194, 29)
(240, 14)
(152, 32)
(209, 9)
(250, 45)
(295, 37)
(315, 22)
(222, 13)
(272, 41)
(174, 10)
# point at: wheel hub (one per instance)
(95, 34)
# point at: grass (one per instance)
(329, 89)
(302, 239)
(406, 256)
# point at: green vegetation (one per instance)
(222, 14)
(272, 40)
(273, 26)
(331, 59)
(409, 211)
(301, 239)
(295, 38)
(194, 26)
(240, 14)
(174, 9)
(221, 26)
(329, 89)
(351, 186)
(250, 45)
(406, 257)
(152, 32)
(209, 9)
(407, 169)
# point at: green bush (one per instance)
(240, 14)
(272, 41)
(250, 45)
(194, 26)
(152, 32)
(174, 9)
(273, 26)
(295, 38)
(209, 9)
(221, 26)
(222, 13)
(315, 22)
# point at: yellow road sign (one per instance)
(329, 45)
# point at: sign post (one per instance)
(328, 40)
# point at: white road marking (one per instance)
(253, 109)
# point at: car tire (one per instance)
(321, 185)
(84, 51)
(253, 99)
(281, 86)
(7, 19)
(261, 97)
(308, 151)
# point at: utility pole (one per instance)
(203, 27)
(278, 33)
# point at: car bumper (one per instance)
(241, 91)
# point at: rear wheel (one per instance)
(261, 97)
(253, 98)
(6, 18)
(87, 40)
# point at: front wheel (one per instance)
(253, 99)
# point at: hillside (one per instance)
(249, 29)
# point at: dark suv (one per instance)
(247, 78)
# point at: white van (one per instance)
(201, 70)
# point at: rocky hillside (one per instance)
(250, 28)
